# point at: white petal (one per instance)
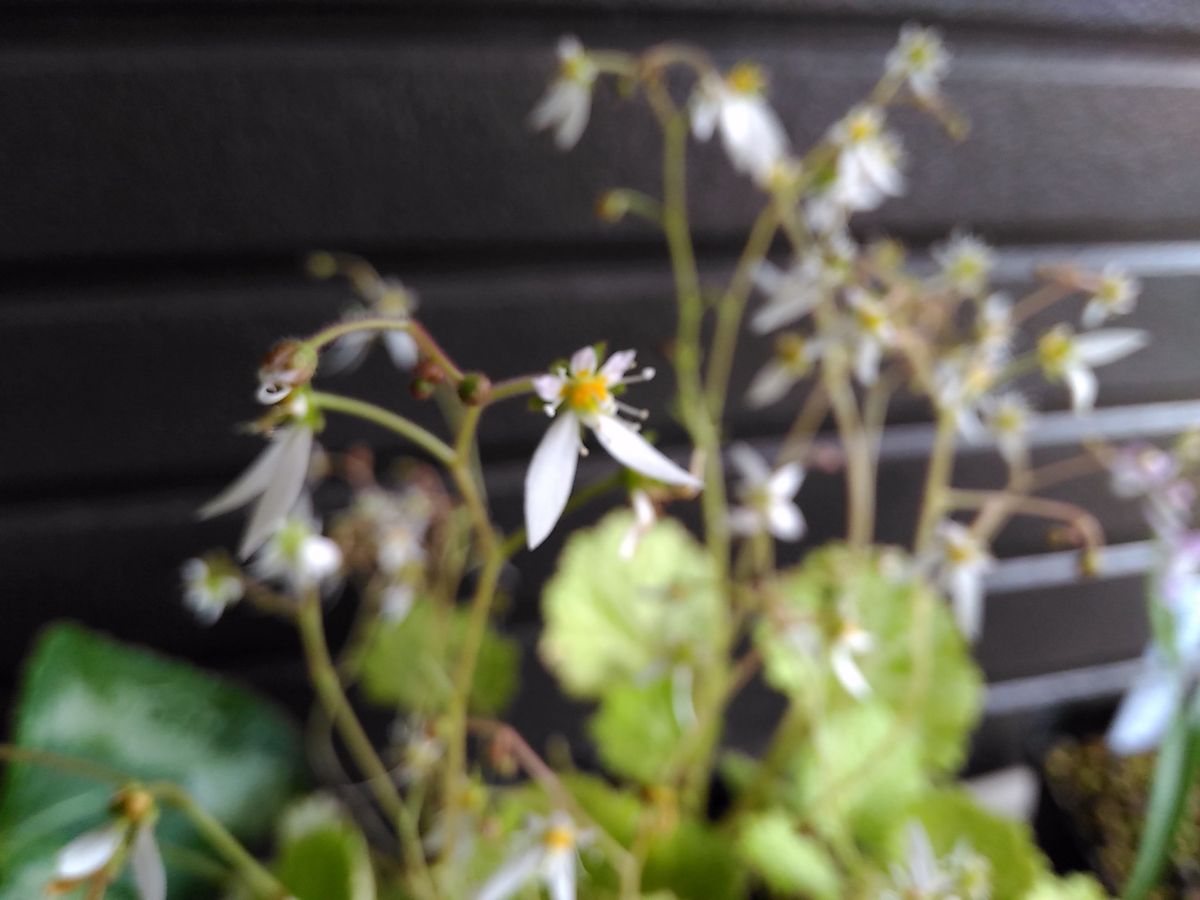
(866, 362)
(402, 348)
(847, 672)
(706, 108)
(346, 353)
(550, 476)
(88, 853)
(249, 484)
(575, 117)
(632, 450)
(284, 489)
(753, 138)
(771, 384)
(786, 480)
(559, 875)
(784, 310)
(1099, 348)
(583, 360)
(767, 278)
(617, 365)
(511, 876)
(787, 522)
(967, 598)
(751, 466)
(1094, 314)
(1146, 710)
(319, 558)
(548, 387)
(146, 862)
(1082, 382)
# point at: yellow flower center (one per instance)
(959, 553)
(747, 78)
(586, 392)
(862, 127)
(1111, 290)
(558, 838)
(789, 349)
(1054, 349)
(871, 318)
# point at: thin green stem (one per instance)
(937, 481)
(430, 443)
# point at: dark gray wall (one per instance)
(165, 166)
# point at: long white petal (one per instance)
(751, 466)
(706, 108)
(148, 872)
(1099, 348)
(632, 450)
(511, 876)
(346, 353)
(771, 384)
(786, 521)
(576, 112)
(583, 360)
(1082, 382)
(286, 484)
(967, 599)
(88, 853)
(847, 671)
(402, 348)
(249, 484)
(784, 310)
(559, 875)
(618, 364)
(786, 480)
(550, 476)
(1146, 711)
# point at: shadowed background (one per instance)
(166, 165)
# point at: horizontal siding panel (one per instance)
(232, 138)
(144, 381)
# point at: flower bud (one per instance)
(421, 388)
(133, 803)
(474, 388)
(321, 265)
(289, 364)
(612, 206)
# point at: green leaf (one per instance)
(1074, 887)
(951, 816)
(611, 620)
(636, 730)
(934, 680)
(410, 664)
(323, 855)
(790, 863)
(123, 707)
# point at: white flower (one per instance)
(962, 562)
(298, 555)
(582, 394)
(766, 497)
(1065, 356)
(551, 860)
(965, 263)
(921, 875)
(754, 140)
(794, 293)
(852, 641)
(1116, 294)
(1008, 417)
(276, 478)
(872, 330)
(793, 359)
(93, 858)
(209, 586)
(1142, 471)
(567, 103)
(386, 298)
(994, 328)
(868, 162)
(959, 385)
(645, 515)
(921, 58)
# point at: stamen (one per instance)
(635, 412)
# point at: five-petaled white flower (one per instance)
(921, 58)
(1066, 356)
(1007, 416)
(964, 263)
(793, 359)
(297, 554)
(751, 133)
(550, 857)
(582, 394)
(210, 586)
(386, 298)
(645, 516)
(766, 497)
(276, 478)
(868, 161)
(96, 858)
(1116, 294)
(962, 562)
(567, 103)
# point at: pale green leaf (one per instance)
(637, 732)
(789, 862)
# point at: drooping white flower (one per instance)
(209, 587)
(736, 105)
(298, 555)
(89, 854)
(550, 858)
(965, 263)
(766, 498)
(578, 395)
(868, 161)
(385, 298)
(872, 331)
(96, 857)
(793, 359)
(795, 292)
(1008, 417)
(1066, 356)
(567, 104)
(851, 642)
(1116, 294)
(921, 58)
(962, 562)
(645, 515)
(275, 478)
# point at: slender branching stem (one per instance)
(407, 429)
